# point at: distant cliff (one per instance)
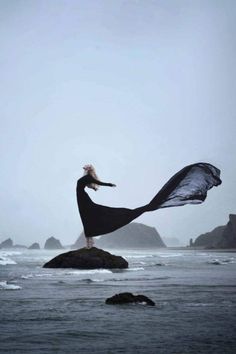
(228, 239)
(131, 236)
(221, 237)
(209, 239)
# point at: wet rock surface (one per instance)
(93, 258)
(129, 298)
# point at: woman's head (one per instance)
(90, 170)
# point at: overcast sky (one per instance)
(137, 88)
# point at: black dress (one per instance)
(188, 186)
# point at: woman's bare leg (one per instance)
(89, 242)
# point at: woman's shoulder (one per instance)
(85, 179)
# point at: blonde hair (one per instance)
(90, 170)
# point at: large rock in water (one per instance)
(53, 244)
(129, 298)
(84, 258)
(131, 236)
(34, 246)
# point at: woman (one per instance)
(188, 186)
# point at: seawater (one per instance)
(64, 310)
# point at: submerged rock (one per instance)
(34, 246)
(128, 298)
(84, 258)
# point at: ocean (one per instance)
(64, 310)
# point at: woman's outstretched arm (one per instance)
(95, 181)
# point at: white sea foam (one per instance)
(5, 257)
(6, 260)
(27, 276)
(9, 253)
(221, 261)
(140, 256)
(4, 285)
(228, 260)
(137, 268)
(89, 271)
(170, 255)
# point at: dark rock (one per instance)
(7, 243)
(131, 236)
(53, 244)
(34, 246)
(84, 258)
(127, 298)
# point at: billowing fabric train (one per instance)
(188, 186)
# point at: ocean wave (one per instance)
(5, 260)
(9, 253)
(136, 268)
(89, 271)
(4, 285)
(221, 261)
(158, 265)
(140, 256)
(27, 276)
(170, 255)
(228, 260)
(89, 280)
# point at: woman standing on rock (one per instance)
(188, 186)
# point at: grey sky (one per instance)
(137, 88)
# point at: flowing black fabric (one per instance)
(188, 186)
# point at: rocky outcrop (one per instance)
(129, 298)
(221, 237)
(7, 243)
(131, 236)
(84, 258)
(53, 244)
(34, 246)
(228, 239)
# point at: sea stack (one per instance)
(53, 244)
(7, 243)
(34, 246)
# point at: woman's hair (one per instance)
(90, 170)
